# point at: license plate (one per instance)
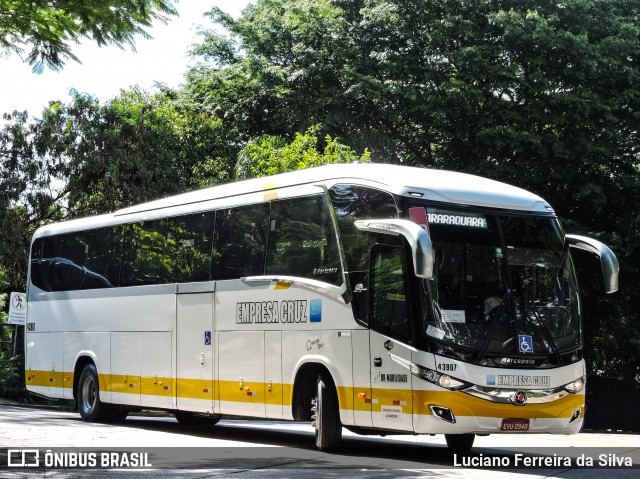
(515, 425)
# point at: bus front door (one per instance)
(390, 333)
(392, 405)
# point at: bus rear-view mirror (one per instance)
(416, 236)
(608, 260)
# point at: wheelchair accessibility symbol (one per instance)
(526, 343)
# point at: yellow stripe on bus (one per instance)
(194, 388)
(465, 405)
(56, 379)
(359, 398)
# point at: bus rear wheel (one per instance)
(326, 416)
(89, 404)
(460, 442)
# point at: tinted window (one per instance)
(38, 269)
(389, 313)
(188, 250)
(353, 203)
(241, 239)
(63, 260)
(143, 253)
(302, 240)
(104, 247)
(47, 262)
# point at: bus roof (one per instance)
(428, 184)
(435, 185)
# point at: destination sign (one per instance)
(456, 219)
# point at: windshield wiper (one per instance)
(545, 329)
(499, 312)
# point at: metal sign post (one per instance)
(17, 315)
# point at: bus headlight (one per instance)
(448, 382)
(442, 380)
(576, 386)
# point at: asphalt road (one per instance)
(269, 449)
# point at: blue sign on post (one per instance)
(207, 338)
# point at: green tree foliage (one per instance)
(85, 158)
(25, 195)
(47, 27)
(5, 335)
(11, 367)
(268, 154)
(483, 84)
(134, 148)
(543, 95)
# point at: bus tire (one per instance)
(89, 404)
(326, 416)
(460, 442)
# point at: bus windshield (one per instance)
(504, 290)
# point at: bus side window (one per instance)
(389, 314)
(143, 253)
(187, 255)
(240, 241)
(302, 240)
(47, 262)
(38, 266)
(102, 269)
(68, 263)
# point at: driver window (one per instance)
(389, 311)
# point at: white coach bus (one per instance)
(383, 299)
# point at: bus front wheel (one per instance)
(326, 416)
